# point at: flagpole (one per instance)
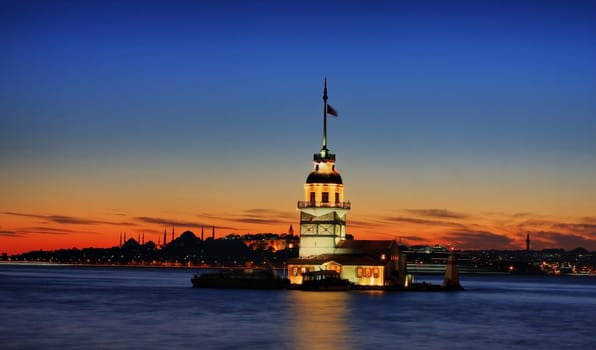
(325, 116)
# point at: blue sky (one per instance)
(432, 96)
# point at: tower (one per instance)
(323, 210)
(528, 242)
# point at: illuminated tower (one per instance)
(323, 210)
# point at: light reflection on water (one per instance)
(319, 317)
(122, 308)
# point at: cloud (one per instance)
(358, 224)
(70, 220)
(260, 216)
(65, 219)
(584, 227)
(425, 222)
(42, 230)
(169, 222)
(547, 239)
(252, 220)
(48, 230)
(7, 233)
(576, 227)
(412, 240)
(266, 212)
(437, 213)
(478, 240)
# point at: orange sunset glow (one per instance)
(93, 211)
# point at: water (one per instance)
(53, 307)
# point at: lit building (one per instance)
(323, 241)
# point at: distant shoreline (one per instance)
(193, 267)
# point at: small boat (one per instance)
(240, 279)
(325, 280)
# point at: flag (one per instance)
(331, 111)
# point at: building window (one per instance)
(336, 197)
(359, 272)
(294, 271)
(325, 198)
(312, 198)
(367, 272)
(376, 272)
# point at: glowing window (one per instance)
(367, 272)
(294, 271)
(376, 272)
(359, 272)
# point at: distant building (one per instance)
(323, 243)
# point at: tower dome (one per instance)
(324, 171)
(320, 178)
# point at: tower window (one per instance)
(312, 198)
(325, 197)
(336, 197)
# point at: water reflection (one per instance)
(320, 320)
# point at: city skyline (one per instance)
(466, 123)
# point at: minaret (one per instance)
(213, 232)
(172, 240)
(164, 236)
(528, 242)
(202, 234)
(323, 210)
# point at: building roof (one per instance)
(342, 259)
(366, 246)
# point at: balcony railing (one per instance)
(313, 204)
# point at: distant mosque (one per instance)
(324, 242)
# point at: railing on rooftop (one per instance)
(313, 204)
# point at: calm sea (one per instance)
(66, 307)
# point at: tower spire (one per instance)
(325, 116)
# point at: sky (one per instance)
(468, 123)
